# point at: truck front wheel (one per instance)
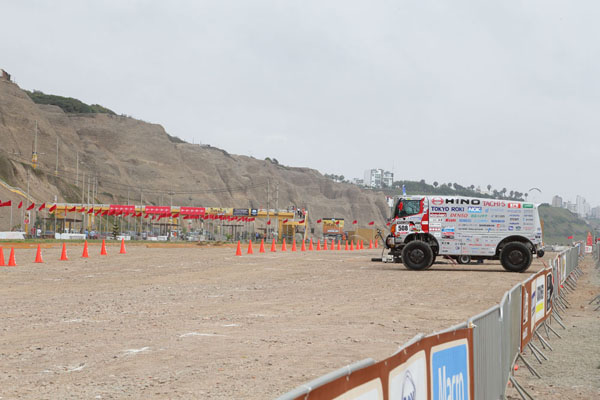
(515, 257)
(463, 259)
(417, 255)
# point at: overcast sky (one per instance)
(504, 93)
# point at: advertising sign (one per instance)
(241, 212)
(540, 284)
(408, 381)
(450, 371)
(192, 211)
(157, 210)
(526, 315)
(549, 291)
(125, 209)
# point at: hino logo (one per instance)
(473, 202)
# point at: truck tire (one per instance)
(515, 257)
(432, 260)
(463, 259)
(417, 255)
(540, 253)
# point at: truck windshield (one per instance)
(405, 208)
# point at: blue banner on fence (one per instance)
(450, 371)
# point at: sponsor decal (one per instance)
(450, 371)
(459, 215)
(527, 205)
(474, 209)
(408, 381)
(488, 203)
(473, 202)
(438, 201)
(514, 205)
(448, 232)
(510, 228)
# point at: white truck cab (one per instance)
(465, 228)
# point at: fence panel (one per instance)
(511, 330)
(487, 354)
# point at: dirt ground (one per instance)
(202, 323)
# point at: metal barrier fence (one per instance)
(472, 360)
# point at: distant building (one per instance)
(580, 206)
(377, 178)
(557, 201)
(595, 212)
(387, 179)
(358, 182)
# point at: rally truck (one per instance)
(463, 228)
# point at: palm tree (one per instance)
(435, 184)
(489, 187)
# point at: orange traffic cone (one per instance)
(339, 245)
(85, 250)
(238, 252)
(11, 258)
(63, 255)
(324, 244)
(310, 246)
(352, 245)
(319, 244)
(283, 248)
(250, 248)
(1, 257)
(346, 248)
(376, 243)
(273, 247)
(370, 244)
(294, 246)
(262, 246)
(103, 249)
(122, 247)
(303, 247)
(332, 245)
(38, 255)
(362, 245)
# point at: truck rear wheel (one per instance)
(463, 259)
(515, 257)
(417, 255)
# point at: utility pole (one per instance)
(27, 224)
(82, 200)
(56, 167)
(268, 199)
(34, 156)
(77, 169)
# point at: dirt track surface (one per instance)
(202, 323)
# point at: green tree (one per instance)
(116, 229)
(435, 184)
